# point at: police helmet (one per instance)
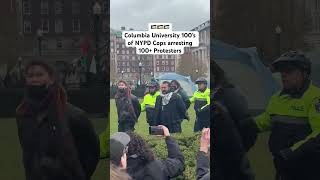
(152, 84)
(292, 58)
(201, 80)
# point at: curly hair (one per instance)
(139, 147)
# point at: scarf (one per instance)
(166, 98)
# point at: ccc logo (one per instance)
(160, 26)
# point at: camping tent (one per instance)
(244, 68)
(185, 82)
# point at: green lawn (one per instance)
(11, 167)
(259, 155)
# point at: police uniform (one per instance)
(294, 122)
(201, 102)
(148, 105)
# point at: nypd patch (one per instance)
(317, 106)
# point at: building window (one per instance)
(27, 27)
(44, 7)
(128, 52)
(158, 69)
(118, 45)
(128, 64)
(133, 52)
(172, 68)
(122, 45)
(158, 63)
(76, 25)
(58, 7)
(167, 62)
(123, 63)
(75, 7)
(133, 58)
(59, 43)
(128, 69)
(172, 62)
(105, 7)
(122, 51)
(169, 56)
(27, 7)
(117, 51)
(58, 26)
(162, 69)
(163, 62)
(104, 25)
(44, 25)
(167, 68)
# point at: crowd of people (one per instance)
(166, 105)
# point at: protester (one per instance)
(118, 174)
(203, 162)
(128, 107)
(170, 109)
(149, 102)
(143, 165)
(119, 149)
(233, 135)
(57, 139)
(176, 88)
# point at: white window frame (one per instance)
(58, 7)
(26, 7)
(42, 22)
(58, 28)
(59, 41)
(76, 28)
(44, 7)
(25, 25)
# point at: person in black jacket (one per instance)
(203, 162)
(170, 109)
(176, 88)
(234, 129)
(128, 107)
(57, 139)
(143, 165)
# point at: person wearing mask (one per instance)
(128, 107)
(293, 117)
(234, 129)
(203, 156)
(170, 109)
(143, 165)
(176, 88)
(57, 139)
(149, 102)
(201, 100)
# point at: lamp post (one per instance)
(151, 74)
(97, 10)
(140, 71)
(197, 71)
(278, 32)
(40, 36)
(122, 74)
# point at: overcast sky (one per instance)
(183, 14)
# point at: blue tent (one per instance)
(185, 82)
(244, 68)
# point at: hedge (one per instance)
(189, 146)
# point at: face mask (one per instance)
(121, 91)
(173, 88)
(37, 91)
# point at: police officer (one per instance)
(149, 102)
(293, 117)
(201, 100)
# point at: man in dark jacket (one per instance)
(203, 163)
(128, 107)
(57, 139)
(143, 165)
(234, 130)
(176, 88)
(170, 109)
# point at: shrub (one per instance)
(189, 146)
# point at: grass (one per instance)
(259, 155)
(11, 167)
